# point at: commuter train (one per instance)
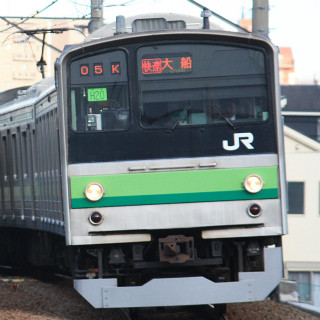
(151, 167)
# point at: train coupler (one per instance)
(176, 249)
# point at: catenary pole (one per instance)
(96, 15)
(260, 17)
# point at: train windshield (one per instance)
(201, 84)
(99, 93)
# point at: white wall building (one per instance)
(302, 245)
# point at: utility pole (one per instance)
(96, 15)
(260, 17)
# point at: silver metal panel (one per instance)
(252, 286)
(88, 169)
(113, 238)
(170, 216)
(280, 138)
(63, 129)
(241, 232)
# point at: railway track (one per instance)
(203, 312)
(24, 298)
(15, 277)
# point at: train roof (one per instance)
(11, 94)
(25, 96)
(160, 23)
(152, 22)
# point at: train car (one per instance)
(31, 211)
(155, 171)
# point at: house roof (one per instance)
(301, 139)
(301, 98)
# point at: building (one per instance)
(286, 65)
(302, 147)
(20, 52)
(246, 24)
(302, 110)
(301, 245)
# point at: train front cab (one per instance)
(171, 200)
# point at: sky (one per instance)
(292, 23)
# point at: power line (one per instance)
(42, 63)
(46, 18)
(119, 5)
(34, 37)
(104, 6)
(197, 4)
(37, 12)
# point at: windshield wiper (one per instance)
(180, 117)
(231, 124)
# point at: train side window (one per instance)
(3, 158)
(2, 173)
(6, 159)
(25, 164)
(15, 158)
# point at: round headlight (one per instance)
(94, 191)
(253, 183)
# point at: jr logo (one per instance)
(246, 138)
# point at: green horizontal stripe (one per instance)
(174, 187)
(174, 198)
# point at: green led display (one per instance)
(97, 94)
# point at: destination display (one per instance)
(166, 65)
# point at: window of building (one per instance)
(316, 288)
(318, 128)
(308, 286)
(296, 197)
(303, 282)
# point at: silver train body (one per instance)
(146, 212)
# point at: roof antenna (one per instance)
(120, 25)
(206, 13)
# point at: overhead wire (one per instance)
(84, 13)
(78, 3)
(31, 48)
(119, 5)
(23, 30)
(199, 5)
(104, 6)
(15, 25)
(36, 13)
(18, 24)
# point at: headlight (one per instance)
(253, 183)
(94, 191)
